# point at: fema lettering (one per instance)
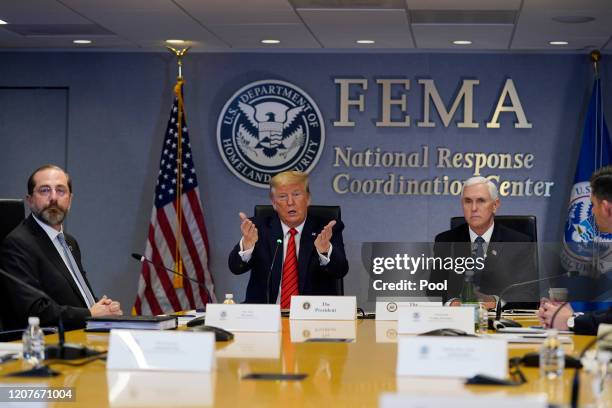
(267, 127)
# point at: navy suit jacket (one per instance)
(589, 322)
(313, 279)
(504, 265)
(28, 254)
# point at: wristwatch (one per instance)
(571, 321)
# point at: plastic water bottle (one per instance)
(33, 342)
(483, 318)
(552, 357)
(229, 299)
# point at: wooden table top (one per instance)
(339, 374)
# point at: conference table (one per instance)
(341, 373)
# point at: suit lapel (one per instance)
(52, 255)
(306, 246)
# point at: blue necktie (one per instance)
(76, 273)
(479, 253)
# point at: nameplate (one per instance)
(312, 330)
(421, 319)
(462, 357)
(244, 317)
(401, 400)
(323, 308)
(389, 310)
(161, 350)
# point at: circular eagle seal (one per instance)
(267, 127)
(583, 240)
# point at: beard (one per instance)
(52, 215)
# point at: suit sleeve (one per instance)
(338, 265)
(235, 263)
(589, 322)
(24, 302)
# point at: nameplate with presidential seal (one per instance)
(422, 319)
(148, 350)
(463, 357)
(388, 310)
(323, 331)
(323, 308)
(462, 400)
(244, 317)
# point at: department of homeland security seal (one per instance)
(582, 241)
(268, 127)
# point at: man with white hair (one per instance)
(506, 261)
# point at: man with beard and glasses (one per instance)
(40, 253)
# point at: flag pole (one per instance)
(178, 91)
(595, 57)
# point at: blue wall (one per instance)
(106, 117)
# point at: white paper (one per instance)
(244, 317)
(161, 350)
(461, 357)
(418, 319)
(323, 308)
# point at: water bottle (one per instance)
(552, 357)
(483, 318)
(229, 299)
(33, 342)
(469, 299)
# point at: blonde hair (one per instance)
(289, 177)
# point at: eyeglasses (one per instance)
(285, 197)
(45, 191)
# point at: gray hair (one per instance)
(481, 180)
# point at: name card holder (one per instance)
(388, 310)
(464, 357)
(323, 308)
(244, 317)
(161, 351)
(421, 319)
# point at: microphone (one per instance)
(61, 351)
(498, 310)
(142, 258)
(278, 243)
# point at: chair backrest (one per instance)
(325, 212)
(521, 223)
(12, 212)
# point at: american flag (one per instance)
(160, 291)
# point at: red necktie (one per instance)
(289, 285)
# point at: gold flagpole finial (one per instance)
(595, 59)
(179, 53)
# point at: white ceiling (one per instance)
(240, 25)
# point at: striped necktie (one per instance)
(289, 283)
(76, 273)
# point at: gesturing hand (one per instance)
(322, 241)
(249, 232)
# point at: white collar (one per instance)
(51, 232)
(299, 228)
(486, 236)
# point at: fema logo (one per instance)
(268, 127)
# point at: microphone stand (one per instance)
(498, 309)
(278, 243)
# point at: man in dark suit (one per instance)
(509, 256)
(289, 253)
(39, 253)
(585, 323)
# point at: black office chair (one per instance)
(326, 212)
(12, 212)
(521, 223)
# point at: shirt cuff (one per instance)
(245, 255)
(324, 259)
